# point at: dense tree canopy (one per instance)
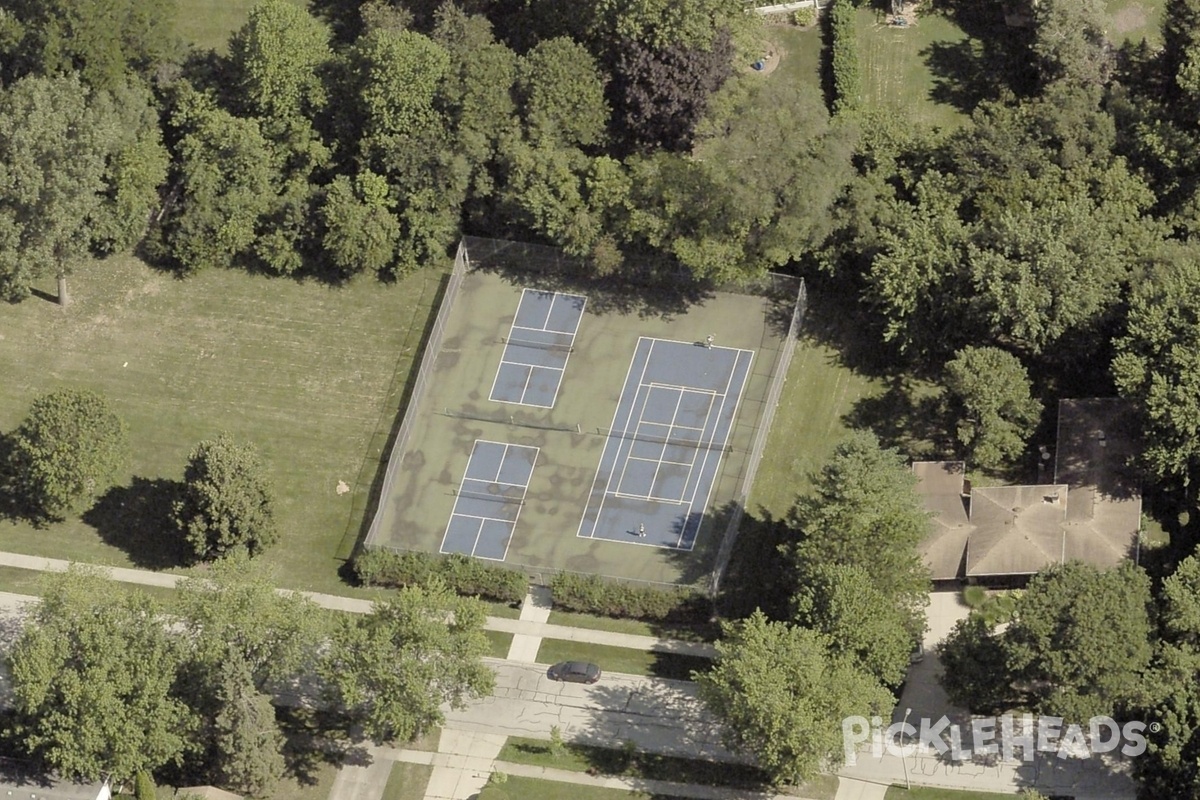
(991, 405)
(397, 665)
(781, 695)
(92, 677)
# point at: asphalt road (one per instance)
(660, 716)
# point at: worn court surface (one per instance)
(510, 480)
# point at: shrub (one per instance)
(804, 17)
(974, 596)
(466, 576)
(143, 787)
(591, 594)
(843, 47)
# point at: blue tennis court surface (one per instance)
(489, 499)
(537, 348)
(664, 450)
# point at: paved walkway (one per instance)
(535, 610)
(849, 789)
(531, 626)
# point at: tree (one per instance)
(781, 696)
(226, 504)
(277, 57)
(68, 450)
(863, 625)
(361, 232)
(659, 97)
(561, 91)
(1171, 765)
(1079, 645)
(1157, 362)
(864, 512)
(989, 398)
(1070, 43)
(56, 136)
(395, 666)
(662, 24)
(91, 678)
(1181, 57)
(755, 196)
(975, 673)
(1180, 615)
(228, 182)
(249, 743)
(106, 41)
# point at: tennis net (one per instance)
(514, 499)
(554, 346)
(644, 437)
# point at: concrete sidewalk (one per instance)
(534, 627)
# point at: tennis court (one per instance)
(664, 448)
(489, 499)
(646, 426)
(537, 348)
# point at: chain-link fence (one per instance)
(760, 440)
(432, 345)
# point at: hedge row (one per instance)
(843, 46)
(590, 594)
(467, 576)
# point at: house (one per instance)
(1089, 511)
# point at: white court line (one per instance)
(663, 452)
(711, 441)
(698, 344)
(495, 380)
(512, 530)
(700, 442)
(612, 427)
(728, 435)
(446, 535)
(496, 482)
(641, 420)
(578, 319)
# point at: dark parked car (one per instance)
(575, 672)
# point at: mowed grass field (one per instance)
(208, 23)
(312, 375)
(895, 68)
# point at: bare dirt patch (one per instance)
(1129, 19)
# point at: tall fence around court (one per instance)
(428, 356)
(760, 439)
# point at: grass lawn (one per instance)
(622, 659)
(1134, 20)
(609, 761)
(539, 789)
(501, 642)
(407, 781)
(800, 54)
(926, 793)
(895, 71)
(810, 420)
(208, 23)
(312, 375)
(28, 581)
(633, 626)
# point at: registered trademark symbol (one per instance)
(1155, 727)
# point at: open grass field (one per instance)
(312, 375)
(1134, 20)
(896, 71)
(208, 23)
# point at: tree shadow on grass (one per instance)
(759, 576)
(313, 739)
(993, 61)
(916, 425)
(137, 519)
